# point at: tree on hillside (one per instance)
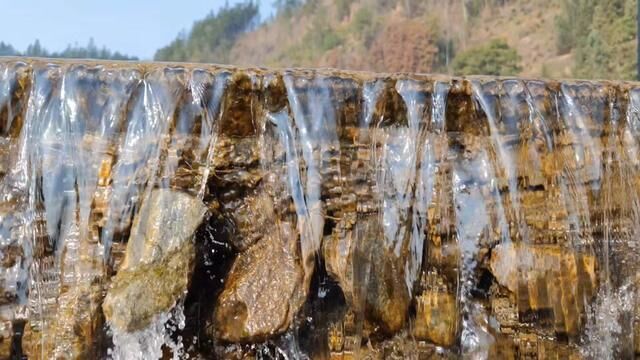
(495, 58)
(36, 50)
(286, 7)
(91, 51)
(592, 57)
(601, 33)
(343, 8)
(474, 7)
(404, 46)
(573, 25)
(7, 49)
(211, 39)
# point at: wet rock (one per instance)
(527, 345)
(159, 260)
(636, 337)
(77, 328)
(402, 346)
(6, 337)
(338, 250)
(436, 312)
(358, 247)
(251, 215)
(548, 280)
(264, 289)
(238, 119)
(233, 152)
(137, 295)
(387, 298)
(68, 322)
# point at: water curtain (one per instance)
(173, 211)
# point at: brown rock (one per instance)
(6, 337)
(338, 250)
(636, 328)
(547, 279)
(436, 312)
(387, 298)
(252, 215)
(264, 290)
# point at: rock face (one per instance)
(436, 311)
(264, 289)
(348, 215)
(386, 299)
(547, 282)
(253, 216)
(158, 263)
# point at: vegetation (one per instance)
(314, 43)
(593, 38)
(343, 8)
(7, 49)
(211, 39)
(574, 23)
(607, 50)
(287, 7)
(91, 51)
(601, 33)
(365, 25)
(495, 58)
(474, 7)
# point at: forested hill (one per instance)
(549, 38)
(90, 51)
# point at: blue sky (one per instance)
(134, 27)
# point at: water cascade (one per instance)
(191, 211)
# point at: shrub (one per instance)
(495, 58)
(320, 38)
(343, 8)
(365, 25)
(573, 24)
(605, 45)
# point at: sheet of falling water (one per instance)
(157, 211)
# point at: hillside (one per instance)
(535, 38)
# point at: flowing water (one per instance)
(158, 211)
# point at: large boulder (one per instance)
(159, 260)
(264, 289)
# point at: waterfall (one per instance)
(196, 211)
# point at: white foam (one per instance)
(148, 343)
